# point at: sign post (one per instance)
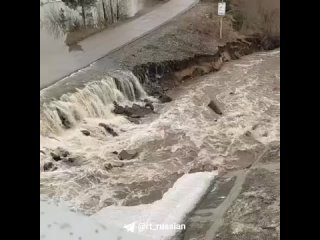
(221, 13)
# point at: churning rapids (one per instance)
(180, 137)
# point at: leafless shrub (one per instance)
(53, 23)
(75, 25)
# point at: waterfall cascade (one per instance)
(95, 100)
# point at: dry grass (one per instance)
(257, 16)
(52, 22)
(208, 23)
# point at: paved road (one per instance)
(57, 62)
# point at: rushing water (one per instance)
(181, 136)
(93, 101)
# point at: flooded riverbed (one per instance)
(180, 137)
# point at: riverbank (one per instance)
(193, 33)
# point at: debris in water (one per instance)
(117, 165)
(254, 127)
(70, 160)
(135, 116)
(55, 156)
(127, 154)
(249, 166)
(149, 104)
(47, 166)
(64, 119)
(108, 166)
(136, 111)
(248, 133)
(62, 152)
(164, 98)
(85, 132)
(59, 153)
(108, 129)
(214, 107)
(133, 120)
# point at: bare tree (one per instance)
(104, 12)
(74, 4)
(118, 10)
(111, 11)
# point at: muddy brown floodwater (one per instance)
(182, 136)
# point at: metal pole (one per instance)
(221, 27)
(221, 22)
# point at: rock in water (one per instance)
(70, 160)
(108, 129)
(64, 119)
(247, 133)
(118, 165)
(149, 104)
(133, 120)
(59, 153)
(127, 154)
(269, 43)
(135, 111)
(108, 166)
(119, 109)
(164, 98)
(64, 153)
(214, 107)
(47, 166)
(55, 156)
(85, 132)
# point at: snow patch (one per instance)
(57, 222)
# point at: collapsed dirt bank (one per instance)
(157, 78)
(186, 47)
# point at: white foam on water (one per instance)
(270, 53)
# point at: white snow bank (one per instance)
(59, 223)
(175, 204)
